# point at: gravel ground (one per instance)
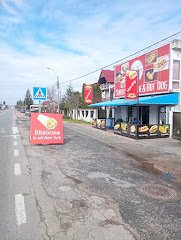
(95, 186)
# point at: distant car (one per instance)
(27, 113)
(22, 110)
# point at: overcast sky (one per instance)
(74, 37)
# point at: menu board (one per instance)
(99, 123)
(142, 131)
(153, 72)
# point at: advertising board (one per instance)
(131, 91)
(88, 94)
(153, 72)
(46, 128)
(139, 131)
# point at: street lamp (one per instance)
(58, 87)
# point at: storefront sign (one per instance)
(88, 94)
(153, 72)
(46, 128)
(142, 131)
(99, 123)
(131, 91)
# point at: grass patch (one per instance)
(75, 121)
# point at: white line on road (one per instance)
(14, 136)
(15, 143)
(20, 209)
(2, 130)
(17, 169)
(15, 130)
(16, 152)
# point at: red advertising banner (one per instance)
(88, 94)
(46, 128)
(153, 72)
(131, 85)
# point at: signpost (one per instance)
(46, 128)
(40, 93)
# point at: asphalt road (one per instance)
(18, 215)
(92, 187)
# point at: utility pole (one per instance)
(58, 88)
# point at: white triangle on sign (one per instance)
(39, 94)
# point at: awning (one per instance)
(164, 99)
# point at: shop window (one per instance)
(83, 113)
(176, 69)
(162, 115)
(86, 113)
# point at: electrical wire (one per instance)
(122, 59)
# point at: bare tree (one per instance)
(51, 97)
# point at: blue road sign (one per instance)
(39, 93)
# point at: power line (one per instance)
(131, 55)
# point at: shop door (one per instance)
(145, 114)
(177, 125)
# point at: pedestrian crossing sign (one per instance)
(39, 93)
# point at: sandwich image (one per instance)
(49, 123)
(131, 95)
(164, 129)
(116, 126)
(153, 129)
(131, 74)
(143, 129)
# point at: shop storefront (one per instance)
(152, 113)
(149, 113)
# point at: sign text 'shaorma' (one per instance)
(46, 128)
(88, 94)
(131, 90)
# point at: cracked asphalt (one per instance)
(88, 188)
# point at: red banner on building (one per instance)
(153, 72)
(131, 85)
(88, 94)
(46, 128)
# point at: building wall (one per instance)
(83, 114)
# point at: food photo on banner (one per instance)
(46, 128)
(131, 85)
(88, 94)
(153, 72)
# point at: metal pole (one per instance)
(138, 98)
(58, 86)
(39, 107)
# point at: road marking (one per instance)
(20, 209)
(15, 130)
(2, 130)
(14, 136)
(15, 143)
(17, 169)
(16, 152)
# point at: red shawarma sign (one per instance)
(46, 128)
(131, 85)
(88, 94)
